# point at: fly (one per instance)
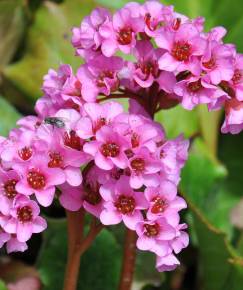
(54, 121)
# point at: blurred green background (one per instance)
(34, 36)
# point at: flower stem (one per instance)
(75, 224)
(129, 258)
(77, 245)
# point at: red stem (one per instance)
(129, 259)
(77, 245)
(75, 223)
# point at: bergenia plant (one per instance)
(117, 165)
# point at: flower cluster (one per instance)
(188, 65)
(131, 173)
(119, 166)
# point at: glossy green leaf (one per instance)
(48, 45)
(8, 117)
(100, 265)
(230, 152)
(220, 267)
(12, 25)
(203, 181)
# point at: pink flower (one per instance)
(195, 91)
(167, 263)
(21, 146)
(146, 70)
(87, 36)
(233, 122)
(54, 81)
(173, 155)
(164, 202)
(183, 48)
(24, 219)
(63, 86)
(71, 197)
(217, 33)
(144, 168)
(121, 32)
(217, 62)
(100, 75)
(29, 122)
(4, 237)
(181, 240)
(92, 199)
(167, 82)
(63, 157)
(14, 245)
(98, 115)
(138, 130)
(155, 236)
(155, 15)
(8, 181)
(237, 79)
(108, 149)
(122, 204)
(38, 178)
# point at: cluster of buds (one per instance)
(118, 165)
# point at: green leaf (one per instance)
(48, 45)
(8, 117)
(100, 265)
(221, 268)
(2, 285)
(203, 181)
(115, 4)
(230, 152)
(203, 186)
(177, 121)
(209, 124)
(12, 25)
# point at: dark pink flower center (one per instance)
(195, 86)
(101, 79)
(70, 104)
(151, 230)
(138, 164)
(162, 154)
(117, 173)
(148, 22)
(149, 68)
(25, 214)
(237, 77)
(25, 153)
(110, 149)
(56, 160)
(225, 86)
(159, 205)
(76, 90)
(135, 140)
(129, 153)
(124, 36)
(72, 140)
(92, 194)
(210, 64)
(99, 123)
(125, 204)
(181, 51)
(36, 179)
(9, 188)
(176, 23)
